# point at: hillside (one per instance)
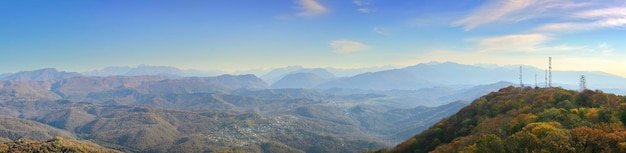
(532, 120)
(56, 144)
(14, 128)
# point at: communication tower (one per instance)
(536, 80)
(583, 83)
(550, 71)
(521, 84)
(546, 78)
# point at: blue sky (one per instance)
(232, 35)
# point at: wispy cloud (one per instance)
(347, 46)
(491, 12)
(363, 5)
(380, 31)
(361, 2)
(529, 43)
(539, 35)
(524, 42)
(602, 13)
(605, 48)
(364, 10)
(516, 10)
(310, 8)
(590, 19)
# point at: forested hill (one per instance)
(529, 120)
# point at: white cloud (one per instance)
(364, 10)
(578, 26)
(508, 43)
(493, 11)
(380, 31)
(347, 46)
(516, 10)
(607, 17)
(564, 26)
(605, 48)
(591, 19)
(310, 8)
(602, 13)
(361, 2)
(530, 43)
(613, 22)
(363, 5)
(539, 39)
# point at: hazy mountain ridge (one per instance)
(418, 76)
(280, 73)
(83, 86)
(382, 80)
(277, 73)
(2, 76)
(47, 74)
(299, 80)
(428, 75)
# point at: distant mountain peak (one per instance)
(299, 80)
(278, 74)
(44, 74)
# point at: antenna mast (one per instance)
(550, 71)
(583, 83)
(546, 78)
(536, 80)
(521, 84)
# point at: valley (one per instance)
(167, 113)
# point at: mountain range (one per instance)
(155, 111)
(419, 76)
(40, 75)
(300, 80)
(453, 74)
(158, 114)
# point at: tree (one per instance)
(489, 143)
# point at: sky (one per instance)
(234, 35)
